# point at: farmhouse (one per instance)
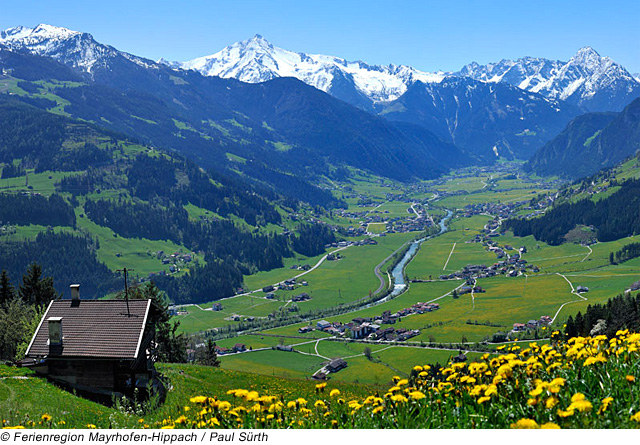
(99, 347)
(336, 365)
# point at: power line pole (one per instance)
(126, 287)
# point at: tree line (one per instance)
(627, 252)
(28, 208)
(70, 258)
(614, 217)
(620, 312)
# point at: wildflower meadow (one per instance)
(582, 382)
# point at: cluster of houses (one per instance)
(238, 347)
(545, 320)
(400, 225)
(511, 267)
(301, 297)
(289, 284)
(370, 327)
(502, 210)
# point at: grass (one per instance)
(274, 363)
(136, 253)
(26, 399)
(42, 183)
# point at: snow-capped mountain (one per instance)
(588, 80)
(72, 48)
(256, 60)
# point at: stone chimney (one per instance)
(75, 292)
(55, 331)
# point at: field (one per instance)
(333, 283)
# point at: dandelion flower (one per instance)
(525, 424)
(605, 404)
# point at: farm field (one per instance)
(333, 283)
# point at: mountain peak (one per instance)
(589, 58)
(41, 31)
(587, 51)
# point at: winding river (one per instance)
(398, 272)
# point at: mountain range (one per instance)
(282, 129)
(263, 111)
(588, 80)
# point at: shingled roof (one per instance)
(93, 328)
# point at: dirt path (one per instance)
(449, 257)
(573, 291)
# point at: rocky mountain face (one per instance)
(590, 143)
(587, 80)
(486, 119)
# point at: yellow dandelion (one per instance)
(525, 424)
(549, 426)
(567, 413)
(551, 402)
(630, 378)
(635, 417)
(483, 399)
(334, 393)
(582, 406)
(198, 399)
(46, 417)
(605, 404)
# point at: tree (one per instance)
(7, 292)
(16, 319)
(209, 355)
(36, 289)
(170, 347)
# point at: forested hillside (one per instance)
(86, 188)
(614, 217)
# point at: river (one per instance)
(398, 272)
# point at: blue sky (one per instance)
(439, 35)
